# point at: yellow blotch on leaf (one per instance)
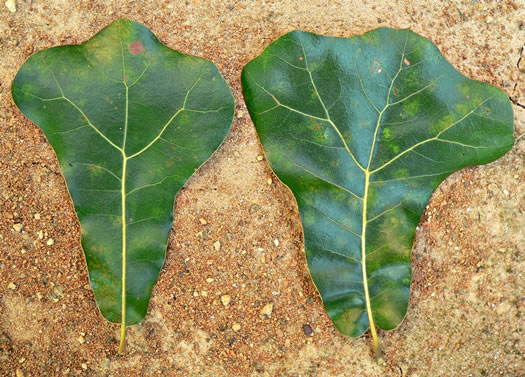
(95, 170)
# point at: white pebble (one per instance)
(11, 5)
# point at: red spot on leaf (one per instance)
(405, 60)
(136, 47)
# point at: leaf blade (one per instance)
(405, 119)
(130, 120)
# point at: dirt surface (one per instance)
(466, 311)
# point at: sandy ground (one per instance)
(466, 311)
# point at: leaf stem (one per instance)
(377, 349)
(122, 346)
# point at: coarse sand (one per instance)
(234, 297)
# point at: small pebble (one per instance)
(209, 280)
(236, 154)
(269, 181)
(489, 19)
(308, 330)
(217, 245)
(506, 192)
(11, 5)
(204, 293)
(19, 372)
(276, 242)
(23, 251)
(58, 291)
(12, 286)
(266, 311)
(203, 222)
(40, 234)
(21, 361)
(18, 227)
(226, 299)
(240, 114)
(84, 366)
(37, 216)
(50, 242)
(236, 327)
(81, 339)
(260, 158)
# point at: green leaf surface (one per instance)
(363, 130)
(130, 121)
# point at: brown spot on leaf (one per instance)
(136, 47)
